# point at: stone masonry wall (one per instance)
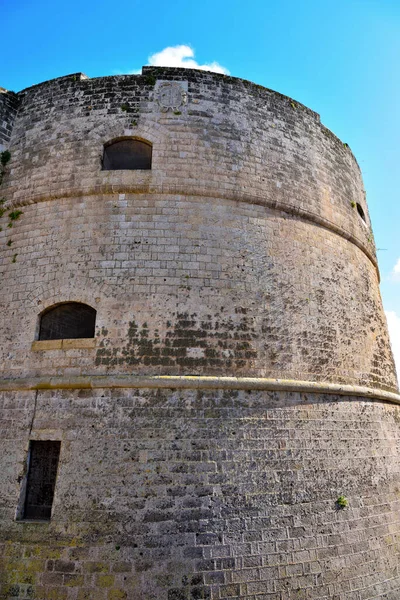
(231, 136)
(178, 289)
(182, 495)
(240, 253)
(8, 108)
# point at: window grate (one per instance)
(71, 320)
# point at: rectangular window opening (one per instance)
(41, 480)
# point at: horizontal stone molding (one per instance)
(64, 344)
(193, 382)
(204, 192)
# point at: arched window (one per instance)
(67, 321)
(127, 154)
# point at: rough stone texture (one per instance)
(206, 494)
(8, 107)
(240, 253)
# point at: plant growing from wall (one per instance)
(342, 502)
(150, 79)
(14, 216)
(5, 157)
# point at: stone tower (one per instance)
(198, 396)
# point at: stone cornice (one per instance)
(195, 382)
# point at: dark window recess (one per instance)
(68, 321)
(127, 154)
(41, 482)
(360, 211)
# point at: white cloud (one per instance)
(395, 274)
(183, 56)
(393, 321)
(178, 56)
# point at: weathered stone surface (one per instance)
(9, 102)
(233, 273)
(240, 253)
(164, 494)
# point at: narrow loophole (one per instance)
(361, 212)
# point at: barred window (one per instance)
(67, 321)
(41, 481)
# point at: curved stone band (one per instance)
(194, 383)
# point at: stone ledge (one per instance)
(63, 344)
(46, 345)
(33, 521)
(194, 382)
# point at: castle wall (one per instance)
(231, 137)
(8, 109)
(240, 254)
(203, 494)
(180, 288)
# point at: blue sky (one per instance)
(341, 58)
